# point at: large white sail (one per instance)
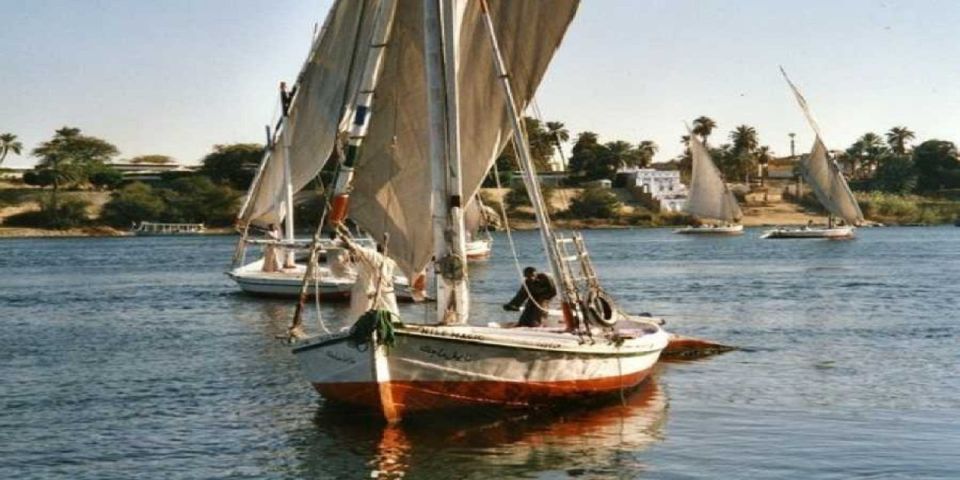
(828, 185)
(822, 172)
(326, 84)
(393, 178)
(710, 198)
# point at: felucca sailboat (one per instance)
(454, 77)
(710, 197)
(301, 143)
(827, 183)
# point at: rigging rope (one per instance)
(513, 246)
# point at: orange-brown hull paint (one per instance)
(410, 397)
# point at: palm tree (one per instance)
(867, 151)
(703, 126)
(898, 137)
(646, 150)
(763, 158)
(9, 144)
(620, 152)
(559, 133)
(744, 139)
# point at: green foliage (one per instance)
(72, 157)
(595, 203)
(194, 199)
(703, 126)
(897, 138)
(234, 165)
(937, 165)
(592, 160)
(865, 155)
(59, 214)
(907, 209)
(197, 199)
(133, 203)
(39, 177)
(896, 174)
(9, 144)
(517, 197)
(106, 178)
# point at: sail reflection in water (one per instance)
(596, 439)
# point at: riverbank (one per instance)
(759, 210)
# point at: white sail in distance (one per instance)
(393, 178)
(325, 86)
(822, 172)
(710, 197)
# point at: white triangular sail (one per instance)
(393, 177)
(328, 81)
(710, 197)
(828, 185)
(822, 172)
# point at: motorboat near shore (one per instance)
(151, 229)
(711, 230)
(810, 232)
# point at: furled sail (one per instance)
(326, 84)
(709, 195)
(393, 180)
(822, 172)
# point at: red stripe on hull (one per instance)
(422, 396)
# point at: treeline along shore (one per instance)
(80, 186)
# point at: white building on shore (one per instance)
(662, 185)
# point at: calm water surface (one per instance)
(137, 358)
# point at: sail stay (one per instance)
(328, 81)
(710, 197)
(822, 172)
(393, 172)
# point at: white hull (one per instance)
(479, 249)
(434, 368)
(286, 283)
(810, 232)
(711, 230)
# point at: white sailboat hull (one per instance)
(287, 283)
(711, 230)
(451, 367)
(810, 232)
(479, 249)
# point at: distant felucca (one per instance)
(826, 180)
(710, 196)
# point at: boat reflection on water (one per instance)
(596, 440)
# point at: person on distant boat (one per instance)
(373, 288)
(272, 252)
(534, 295)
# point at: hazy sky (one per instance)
(178, 76)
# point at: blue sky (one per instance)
(178, 76)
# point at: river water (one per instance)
(137, 358)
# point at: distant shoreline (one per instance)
(93, 231)
(518, 225)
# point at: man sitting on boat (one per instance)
(534, 295)
(373, 289)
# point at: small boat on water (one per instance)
(710, 196)
(826, 180)
(438, 125)
(152, 229)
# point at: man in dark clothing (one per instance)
(541, 290)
